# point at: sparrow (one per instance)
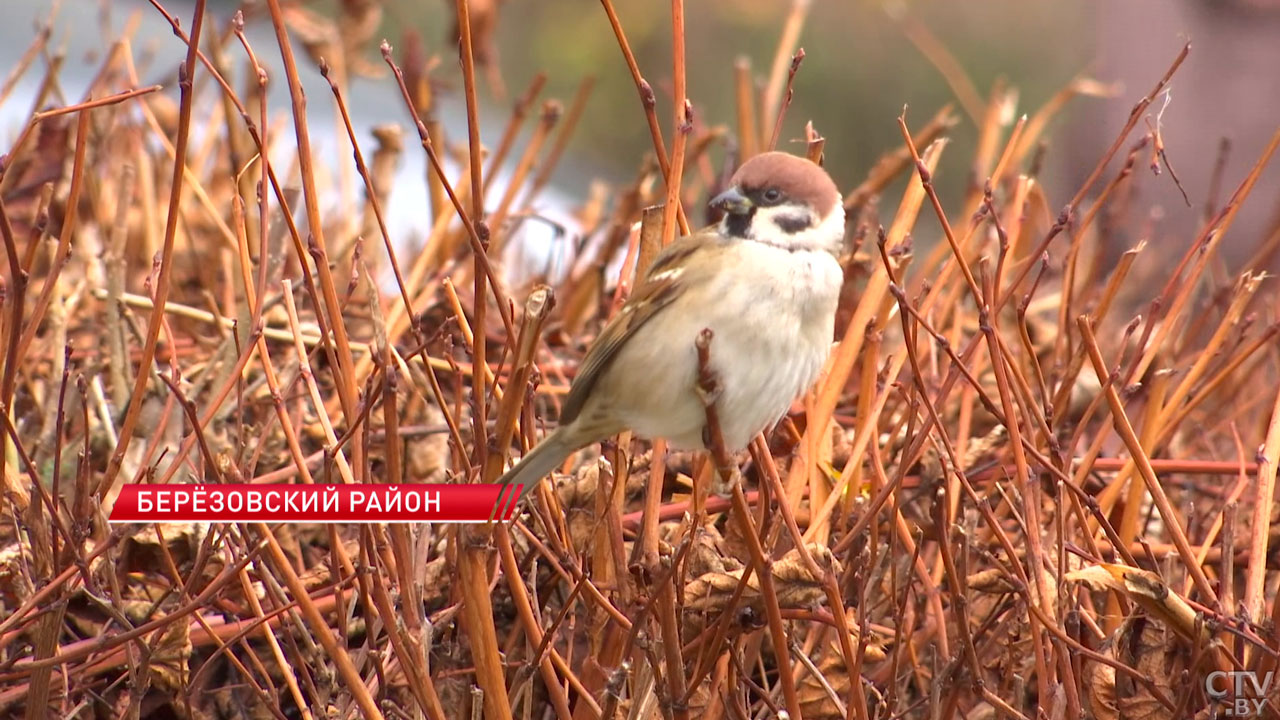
(765, 280)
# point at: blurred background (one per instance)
(864, 62)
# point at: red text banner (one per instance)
(140, 503)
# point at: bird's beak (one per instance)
(733, 202)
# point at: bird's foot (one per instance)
(725, 479)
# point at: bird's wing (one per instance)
(659, 288)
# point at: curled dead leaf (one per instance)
(1148, 590)
(15, 585)
(794, 584)
(170, 656)
(705, 556)
(1157, 655)
(143, 551)
(822, 695)
(991, 580)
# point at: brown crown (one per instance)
(800, 180)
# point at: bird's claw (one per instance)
(725, 480)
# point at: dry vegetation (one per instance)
(1033, 482)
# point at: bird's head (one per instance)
(783, 200)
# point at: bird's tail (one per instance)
(541, 460)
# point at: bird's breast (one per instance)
(772, 317)
(774, 350)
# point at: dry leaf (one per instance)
(819, 700)
(142, 551)
(705, 556)
(1154, 652)
(1148, 590)
(794, 585)
(1100, 690)
(991, 580)
(169, 658)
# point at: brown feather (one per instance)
(655, 292)
(799, 180)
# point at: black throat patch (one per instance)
(739, 224)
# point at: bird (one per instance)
(765, 280)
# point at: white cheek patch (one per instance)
(797, 228)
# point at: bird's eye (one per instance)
(772, 195)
